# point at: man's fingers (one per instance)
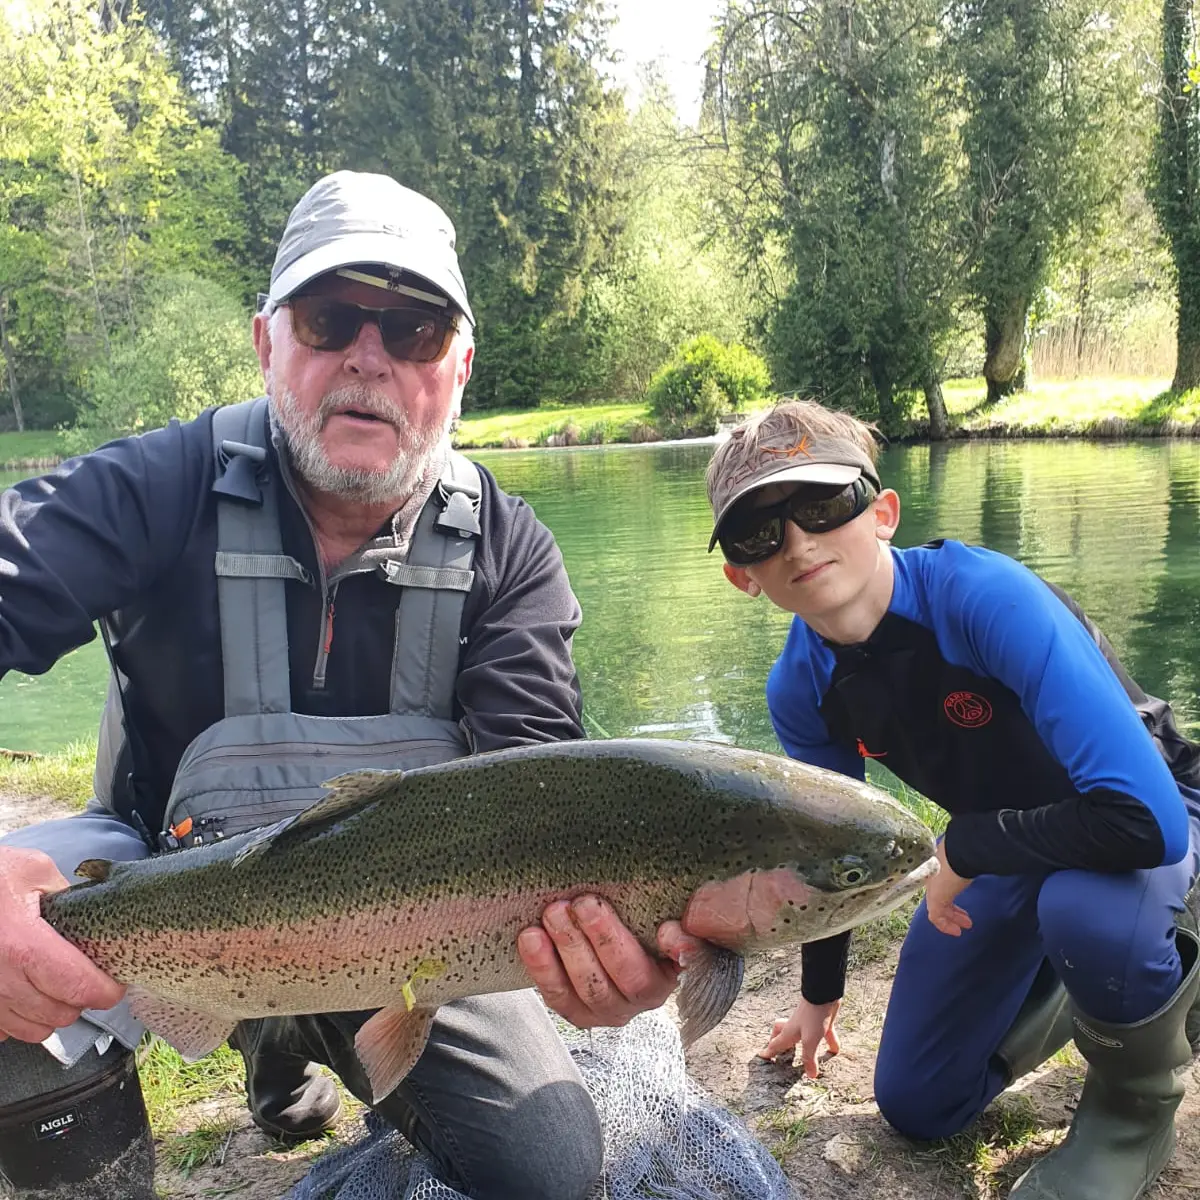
(636, 977)
(24, 1031)
(60, 971)
(678, 946)
(545, 969)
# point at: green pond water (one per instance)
(668, 647)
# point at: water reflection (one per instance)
(669, 648)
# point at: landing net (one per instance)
(664, 1139)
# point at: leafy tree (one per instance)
(1176, 181)
(842, 127)
(1044, 85)
(670, 276)
(105, 181)
(495, 108)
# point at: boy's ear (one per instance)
(740, 580)
(887, 514)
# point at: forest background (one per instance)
(876, 196)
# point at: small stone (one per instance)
(847, 1153)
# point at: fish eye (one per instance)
(851, 871)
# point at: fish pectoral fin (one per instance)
(192, 1032)
(390, 1043)
(711, 982)
(349, 792)
(95, 869)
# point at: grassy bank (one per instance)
(33, 448)
(1095, 408)
(64, 777)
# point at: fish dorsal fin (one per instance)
(95, 869)
(347, 793)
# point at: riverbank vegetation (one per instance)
(1090, 408)
(874, 198)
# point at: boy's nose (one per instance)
(796, 541)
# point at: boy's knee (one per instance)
(918, 1108)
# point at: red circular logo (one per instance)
(967, 709)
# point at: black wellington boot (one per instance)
(1123, 1133)
(87, 1140)
(289, 1097)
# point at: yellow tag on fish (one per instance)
(410, 1001)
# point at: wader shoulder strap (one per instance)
(250, 564)
(436, 577)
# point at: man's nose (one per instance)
(366, 356)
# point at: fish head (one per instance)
(807, 854)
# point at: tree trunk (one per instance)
(1187, 340)
(936, 403)
(7, 351)
(1004, 341)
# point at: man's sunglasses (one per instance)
(752, 535)
(410, 334)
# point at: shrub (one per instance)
(192, 349)
(703, 380)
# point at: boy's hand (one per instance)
(807, 1027)
(940, 892)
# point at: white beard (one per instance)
(302, 435)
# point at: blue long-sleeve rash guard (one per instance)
(993, 695)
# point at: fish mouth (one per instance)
(913, 881)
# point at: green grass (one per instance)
(65, 776)
(169, 1083)
(34, 446)
(790, 1128)
(1081, 407)
(492, 427)
(198, 1147)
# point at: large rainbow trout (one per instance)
(406, 890)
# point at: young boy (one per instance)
(1059, 910)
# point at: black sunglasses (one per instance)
(751, 535)
(410, 334)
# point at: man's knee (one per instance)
(555, 1150)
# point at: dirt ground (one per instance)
(827, 1134)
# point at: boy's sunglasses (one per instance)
(752, 535)
(409, 334)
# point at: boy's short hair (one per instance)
(797, 440)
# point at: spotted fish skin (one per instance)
(402, 891)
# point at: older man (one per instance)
(313, 567)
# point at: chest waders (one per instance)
(83, 1134)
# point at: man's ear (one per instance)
(742, 581)
(886, 507)
(262, 341)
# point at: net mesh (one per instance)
(664, 1138)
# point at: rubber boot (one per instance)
(1123, 1133)
(1189, 919)
(1041, 1027)
(289, 1097)
(89, 1140)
